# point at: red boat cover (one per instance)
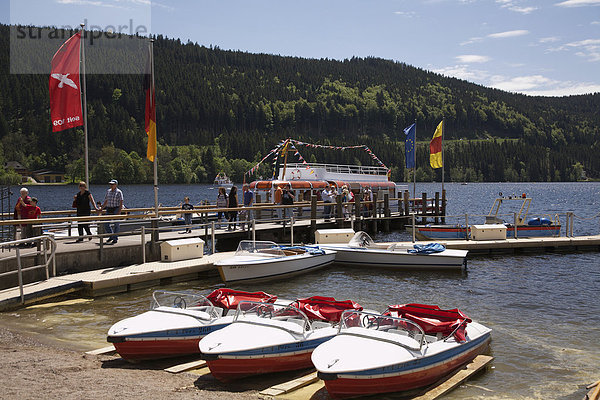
(229, 298)
(432, 319)
(325, 308)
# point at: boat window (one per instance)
(188, 301)
(400, 331)
(260, 248)
(281, 316)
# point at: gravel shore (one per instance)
(34, 370)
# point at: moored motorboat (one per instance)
(263, 260)
(221, 180)
(266, 338)
(361, 250)
(408, 347)
(518, 222)
(176, 322)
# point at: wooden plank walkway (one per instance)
(525, 244)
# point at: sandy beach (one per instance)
(33, 370)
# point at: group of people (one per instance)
(27, 208)
(230, 200)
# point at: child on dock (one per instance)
(187, 217)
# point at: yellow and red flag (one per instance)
(150, 125)
(435, 147)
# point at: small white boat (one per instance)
(361, 250)
(221, 180)
(268, 338)
(408, 347)
(263, 260)
(176, 322)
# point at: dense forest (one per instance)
(221, 110)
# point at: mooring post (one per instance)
(259, 211)
(357, 212)
(313, 216)
(515, 223)
(443, 206)
(412, 216)
(436, 206)
(143, 240)
(467, 226)
(374, 214)
(386, 212)
(406, 203)
(292, 230)
(424, 207)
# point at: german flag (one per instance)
(435, 147)
(150, 125)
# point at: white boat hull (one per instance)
(244, 268)
(449, 259)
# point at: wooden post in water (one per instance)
(406, 203)
(374, 214)
(436, 207)
(443, 206)
(386, 212)
(339, 212)
(424, 206)
(258, 213)
(357, 212)
(313, 216)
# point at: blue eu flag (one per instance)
(409, 145)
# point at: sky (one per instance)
(534, 47)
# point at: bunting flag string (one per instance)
(283, 146)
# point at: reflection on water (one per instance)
(543, 308)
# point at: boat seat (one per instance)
(320, 324)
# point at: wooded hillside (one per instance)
(223, 110)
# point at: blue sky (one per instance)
(549, 47)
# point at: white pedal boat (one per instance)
(361, 250)
(267, 338)
(263, 260)
(176, 322)
(408, 347)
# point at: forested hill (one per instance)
(223, 110)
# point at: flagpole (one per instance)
(415, 163)
(152, 90)
(443, 129)
(85, 124)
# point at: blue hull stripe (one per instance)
(281, 349)
(170, 334)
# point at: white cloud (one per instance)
(408, 14)
(595, 23)
(471, 41)
(463, 72)
(513, 5)
(578, 3)
(538, 85)
(472, 58)
(549, 39)
(508, 34)
(588, 48)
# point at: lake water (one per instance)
(544, 309)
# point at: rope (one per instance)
(586, 218)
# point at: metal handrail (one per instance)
(44, 240)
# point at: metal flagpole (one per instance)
(443, 129)
(152, 97)
(85, 124)
(415, 163)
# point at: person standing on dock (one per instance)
(23, 199)
(187, 217)
(248, 202)
(113, 204)
(277, 200)
(327, 196)
(233, 203)
(221, 203)
(82, 201)
(30, 211)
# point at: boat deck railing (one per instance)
(344, 169)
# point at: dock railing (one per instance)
(45, 246)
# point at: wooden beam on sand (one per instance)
(290, 386)
(103, 351)
(457, 378)
(186, 367)
(593, 394)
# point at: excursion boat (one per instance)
(221, 180)
(525, 227)
(361, 250)
(268, 338)
(300, 179)
(406, 348)
(264, 260)
(177, 321)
